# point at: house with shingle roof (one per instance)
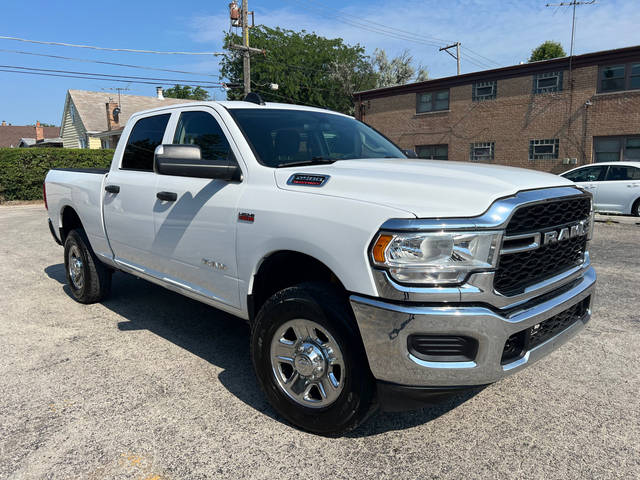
(33, 135)
(96, 119)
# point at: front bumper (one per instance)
(385, 327)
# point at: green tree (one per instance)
(547, 51)
(185, 91)
(397, 71)
(309, 69)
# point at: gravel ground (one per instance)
(151, 385)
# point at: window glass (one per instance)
(632, 148)
(612, 78)
(622, 172)
(484, 90)
(200, 128)
(280, 137)
(634, 81)
(587, 174)
(482, 152)
(607, 149)
(145, 136)
(543, 149)
(433, 101)
(433, 152)
(547, 82)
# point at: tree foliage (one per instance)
(547, 51)
(187, 92)
(309, 69)
(397, 71)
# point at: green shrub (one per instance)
(22, 170)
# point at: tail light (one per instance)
(44, 195)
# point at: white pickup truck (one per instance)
(368, 279)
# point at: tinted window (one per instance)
(622, 172)
(145, 136)
(279, 137)
(433, 152)
(200, 128)
(587, 174)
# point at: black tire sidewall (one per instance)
(74, 238)
(355, 400)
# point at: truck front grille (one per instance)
(517, 271)
(528, 339)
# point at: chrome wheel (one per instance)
(76, 270)
(307, 363)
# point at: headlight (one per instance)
(435, 257)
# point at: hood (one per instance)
(424, 188)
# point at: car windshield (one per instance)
(281, 138)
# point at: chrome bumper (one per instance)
(384, 328)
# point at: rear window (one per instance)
(145, 136)
(280, 137)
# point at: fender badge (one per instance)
(246, 217)
(307, 179)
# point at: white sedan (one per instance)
(615, 185)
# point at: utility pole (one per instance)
(456, 56)
(573, 4)
(244, 48)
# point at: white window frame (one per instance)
(475, 157)
(476, 97)
(537, 89)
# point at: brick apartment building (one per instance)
(550, 115)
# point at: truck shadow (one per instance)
(222, 340)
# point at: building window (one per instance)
(547, 82)
(613, 149)
(433, 152)
(432, 101)
(83, 141)
(615, 78)
(485, 90)
(543, 149)
(482, 152)
(72, 113)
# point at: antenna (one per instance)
(119, 90)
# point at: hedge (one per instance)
(22, 170)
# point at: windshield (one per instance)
(286, 137)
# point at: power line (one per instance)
(176, 80)
(128, 65)
(92, 47)
(82, 77)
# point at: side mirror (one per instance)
(186, 161)
(410, 153)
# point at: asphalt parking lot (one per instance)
(151, 385)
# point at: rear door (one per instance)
(128, 208)
(620, 188)
(590, 178)
(195, 241)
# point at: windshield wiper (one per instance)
(313, 161)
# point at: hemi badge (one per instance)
(308, 180)
(246, 217)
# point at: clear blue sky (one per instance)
(502, 31)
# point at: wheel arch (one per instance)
(69, 220)
(285, 268)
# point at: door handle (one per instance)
(167, 196)
(112, 188)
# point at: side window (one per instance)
(145, 136)
(623, 172)
(200, 128)
(587, 174)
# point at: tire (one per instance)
(89, 279)
(331, 339)
(635, 209)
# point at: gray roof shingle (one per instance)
(91, 107)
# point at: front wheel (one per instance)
(635, 210)
(310, 362)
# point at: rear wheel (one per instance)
(635, 210)
(89, 279)
(310, 362)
